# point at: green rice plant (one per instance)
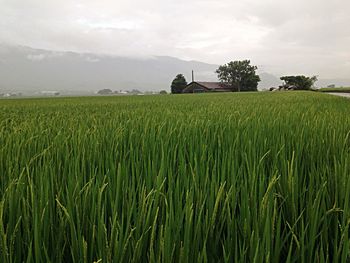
(336, 89)
(236, 177)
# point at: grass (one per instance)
(252, 177)
(338, 89)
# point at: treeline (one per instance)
(242, 76)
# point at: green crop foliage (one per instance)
(338, 89)
(239, 177)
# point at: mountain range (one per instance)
(29, 70)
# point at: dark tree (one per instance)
(105, 92)
(240, 75)
(299, 82)
(135, 91)
(178, 84)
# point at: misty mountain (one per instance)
(336, 82)
(28, 70)
(268, 81)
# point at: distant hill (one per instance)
(268, 81)
(28, 70)
(336, 82)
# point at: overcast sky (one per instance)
(280, 36)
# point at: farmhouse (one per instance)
(196, 87)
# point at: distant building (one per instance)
(198, 87)
(12, 94)
(50, 93)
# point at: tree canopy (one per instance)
(178, 84)
(105, 91)
(240, 75)
(300, 82)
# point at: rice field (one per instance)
(337, 89)
(249, 177)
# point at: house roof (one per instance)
(212, 85)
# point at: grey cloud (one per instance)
(284, 36)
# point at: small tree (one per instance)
(178, 84)
(300, 82)
(105, 92)
(163, 92)
(239, 75)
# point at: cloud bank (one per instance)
(280, 36)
